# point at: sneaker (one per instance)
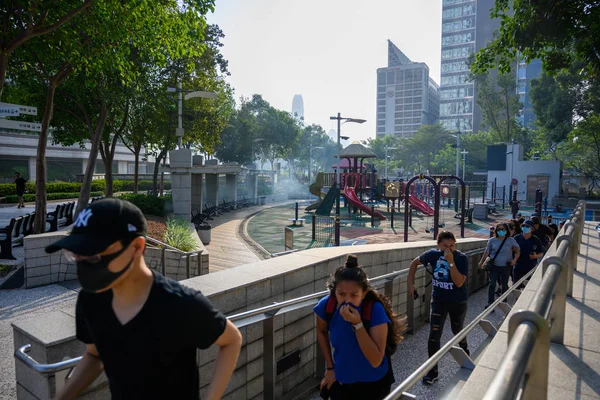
(431, 377)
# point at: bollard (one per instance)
(296, 218)
(503, 195)
(337, 231)
(392, 218)
(314, 227)
(372, 216)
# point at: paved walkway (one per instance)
(575, 366)
(228, 247)
(8, 211)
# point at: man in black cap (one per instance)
(531, 250)
(541, 231)
(140, 327)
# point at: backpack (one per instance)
(367, 309)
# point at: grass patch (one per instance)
(6, 269)
(179, 235)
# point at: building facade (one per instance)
(298, 107)
(406, 96)
(466, 28)
(525, 74)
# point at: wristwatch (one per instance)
(452, 265)
(357, 326)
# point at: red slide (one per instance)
(355, 201)
(420, 205)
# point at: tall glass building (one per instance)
(525, 74)
(466, 28)
(406, 96)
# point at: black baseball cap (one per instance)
(101, 224)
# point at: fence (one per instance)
(322, 231)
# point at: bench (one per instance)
(6, 238)
(468, 215)
(297, 222)
(61, 216)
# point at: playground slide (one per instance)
(420, 205)
(350, 195)
(327, 203)
(315, 188)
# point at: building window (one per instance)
(381, 102)
(390, 77)
(450, 40)
(381, 78)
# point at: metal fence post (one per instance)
(392, 218)
(269, 370)
(187, 266)
(314, 227)
(372, 216)
(337, 231)
(163, 261)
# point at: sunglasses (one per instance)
(96, 258)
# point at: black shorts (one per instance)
(20, 194)
(377, 390)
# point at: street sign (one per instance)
(21, 125)
(9, 111)
(27, 110)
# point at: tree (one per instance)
(499, 103)
(418, 152)
(25, 20)
(581, 150)
(556, 32)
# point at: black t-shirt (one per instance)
(528, 247)
(20, 182)
(543, 233)
(153, 356)
(444, 288)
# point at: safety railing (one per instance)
(322, 231)
(523, 372)
(530, 331)
(265, 315)
(184, 254)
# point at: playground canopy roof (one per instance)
(357, 150)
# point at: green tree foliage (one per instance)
(323, 150)
(499, 103)
(417, 154)
(557, 32)
(581, 150)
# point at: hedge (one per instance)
(50, 196)
(8, 189)
(149, 204)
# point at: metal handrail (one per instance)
(263, 314)
(156, 242)
(415, 377)
(524, 369)
(184, 254)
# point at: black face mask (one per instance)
(94, 277)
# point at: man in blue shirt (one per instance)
(449, 274)
(531, 250)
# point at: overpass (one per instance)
(271, 301)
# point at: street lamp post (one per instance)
(386, 159)
(190, 95)
(339, 119)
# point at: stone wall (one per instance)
(176, 265)
(259, 284)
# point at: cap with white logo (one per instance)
(100, 225)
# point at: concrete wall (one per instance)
(44, 269)
(259, 284)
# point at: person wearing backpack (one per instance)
(358, 323)
(449, 275)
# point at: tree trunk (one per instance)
(136, 166)
(155, 187)
(86, 185)
(108, 176)
(40, 163)
(3, 69)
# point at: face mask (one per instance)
(501, 233)
(526, 229)
(94, 277)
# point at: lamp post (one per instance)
(310, 147)
(386, 159)
(464, 153)
(190, 95)
(339, 119)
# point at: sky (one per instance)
(326, 50)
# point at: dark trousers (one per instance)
(439, 311)
(498, 273)
(360, 390)
(521, 270)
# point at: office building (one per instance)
(298, 107)
(406, 96)
(466, 28)
(525, 74)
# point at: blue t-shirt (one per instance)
(444, 288)
(528, 247)
(351, 365)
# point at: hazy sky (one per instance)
(326, 50)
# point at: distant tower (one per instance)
(298, 107)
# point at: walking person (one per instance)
(504, 252)
(20, 184)
(141, 328)
(358, 322)
(449, 297)
(531, 250)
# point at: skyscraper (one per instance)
(406, 96)
(466, 28)
(525, 74)
(298, 107)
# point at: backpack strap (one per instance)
(330, 308)
(367, 310)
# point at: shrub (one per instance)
(179, 234)
(50, 196)
(149, 204)
(99, 185)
